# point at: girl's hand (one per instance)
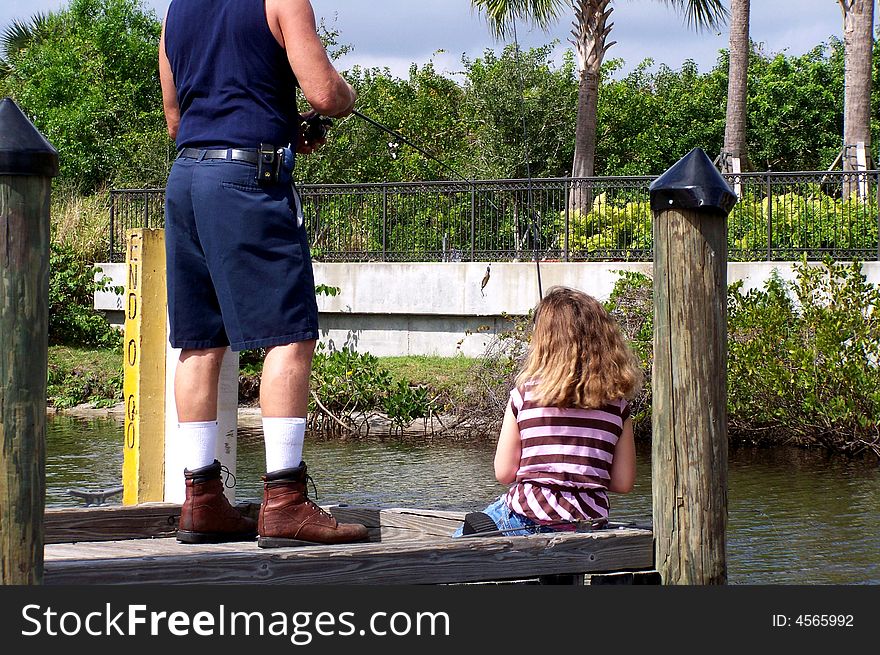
(508, 450)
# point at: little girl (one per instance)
(567, 435)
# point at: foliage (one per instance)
(79, 223)
(491, 378)
(87, 75)
(520, 107)
(425, 108)
(808, 219)
(72, 319)
(82, 375)
(348, 387)
(88, 78)
(804, 359)
(631, 304)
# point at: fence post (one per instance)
(112, 253)
(690, 203)
(473, 212)
(567, 221)
(27, 164)
(769, 218)
(384, 221)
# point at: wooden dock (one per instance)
(136, 545)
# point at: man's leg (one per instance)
(284, 401)
(288, 517)
(206, 515)
(195, 394)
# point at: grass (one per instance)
(84, 375)
(82, 222)
(94, 375)
(447, 377)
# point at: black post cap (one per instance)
(692, 182)
(23, 150)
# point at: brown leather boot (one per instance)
(289, 518)
(206, 516)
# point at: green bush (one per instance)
(72, 317)
(71, 387)
(804, 359)
(347, 387)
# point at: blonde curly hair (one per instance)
(578, 356)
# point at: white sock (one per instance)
(283, 437)
(199, 443)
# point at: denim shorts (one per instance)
(239, 272)
(509, 521)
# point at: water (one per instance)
(795, 517)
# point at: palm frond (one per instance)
(501, 14)
(701, 14)
(19, 34)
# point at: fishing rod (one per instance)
(398, 136)
(536, 234)
(315, 127)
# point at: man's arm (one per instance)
(293, 24)
(169, 92)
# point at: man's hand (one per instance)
(312, 132)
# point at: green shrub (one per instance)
(71, 387)
(348, 387)
(804, 359)
(72, 317)
(84, 375)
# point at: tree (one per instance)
(88, 78)
(858, 41)
(734, 152)
(590, 39)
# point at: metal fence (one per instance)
(779, 216)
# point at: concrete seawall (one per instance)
(391, 309)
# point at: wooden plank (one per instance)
(401, 523)
(413, 562)
(156, 520)
(147, 520)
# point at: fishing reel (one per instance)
(314, 128)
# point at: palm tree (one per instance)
(858, 45)
(591, 28)
(17, 36)
(734, 156)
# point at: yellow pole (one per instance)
(143, 464)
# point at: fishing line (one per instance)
(400, 137)
(397, 135)
(536, 234)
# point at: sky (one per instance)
(397, 33)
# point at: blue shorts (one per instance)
(239, 272)
(511, 523)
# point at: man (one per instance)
(238, 265)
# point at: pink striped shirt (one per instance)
(565, 466)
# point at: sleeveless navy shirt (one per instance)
(234, 83)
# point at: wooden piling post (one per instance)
(27, 164)
(690, 204)
(143, 464)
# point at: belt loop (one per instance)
(202, 153)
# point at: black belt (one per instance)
(235, 154)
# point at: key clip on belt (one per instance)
(268, 164)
